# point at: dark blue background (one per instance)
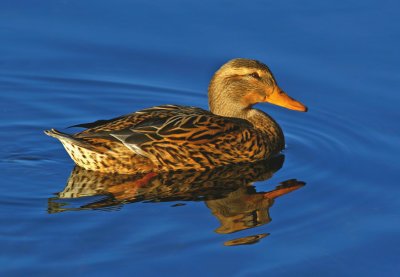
(67, 62)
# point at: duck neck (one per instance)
(268, 126)
(260, 120)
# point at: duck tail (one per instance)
(57, 134)
(70, 140)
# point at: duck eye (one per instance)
(255, 75)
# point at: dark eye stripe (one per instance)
(255, 75)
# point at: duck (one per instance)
(173, 137)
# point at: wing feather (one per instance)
(159, 132)
(183, 128)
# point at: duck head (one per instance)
(241, 83)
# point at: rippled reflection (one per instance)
(226, 191)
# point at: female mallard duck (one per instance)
(174, 137)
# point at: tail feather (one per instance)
(66, 138)
(57, 134)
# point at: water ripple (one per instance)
(319, 137)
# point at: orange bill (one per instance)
(280, 98)
(286, 187)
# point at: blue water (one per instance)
(69, 62)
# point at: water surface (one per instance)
(68, 62)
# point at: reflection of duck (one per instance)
(227, 191)
(245, 208)
(178, 137)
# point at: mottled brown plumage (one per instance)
(171, 137)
